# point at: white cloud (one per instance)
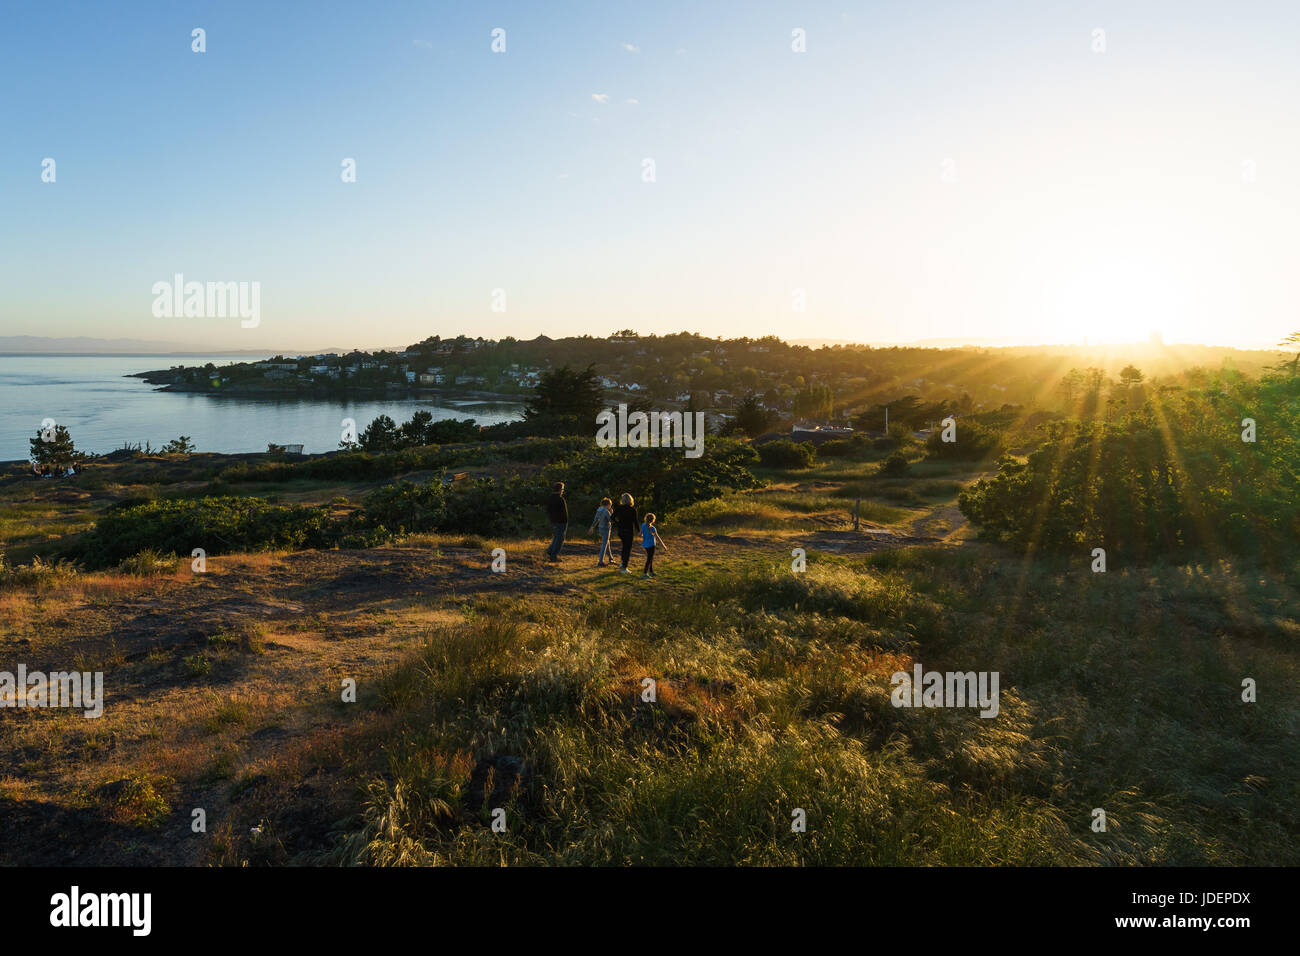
(600, 97)
(631, 48)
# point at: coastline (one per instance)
(323, 391)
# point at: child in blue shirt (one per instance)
(650, 537)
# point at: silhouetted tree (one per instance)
(380, 435)
(567, 401)
(751, 417)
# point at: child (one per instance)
(600, 526)
(649, 537)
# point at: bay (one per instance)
(103, 410)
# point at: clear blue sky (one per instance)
(1094, 194)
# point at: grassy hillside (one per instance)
(523, 691)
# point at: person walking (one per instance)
(625, 521)
(601, 525)
(649, 538)
(557, 511)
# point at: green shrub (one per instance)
(217, 525)
(706, 478)
(974, 442)
(895, 466)
(837, 448)
(784, 453)
(406, 506)
(483, 506)
(139, 801)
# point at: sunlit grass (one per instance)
(774, 696)
(26, 523)
(780, 511)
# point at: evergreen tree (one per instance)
(380, 435)
(751, 417)
(566, 401)
(54, 447)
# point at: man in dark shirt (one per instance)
(626, 521)
(557, 510)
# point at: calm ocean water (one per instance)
(103, 410)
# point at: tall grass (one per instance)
(773, 696)
(38, 574)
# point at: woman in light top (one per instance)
(601, 527)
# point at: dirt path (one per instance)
(941, 525)
(945, 523)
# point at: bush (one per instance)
(406, 507)
(895, 466)
(217, 525)
(787, 454)
(975, 442)
(706, 478)
(482, 506)
(477, 506)
(837, 448)
(138, 801)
